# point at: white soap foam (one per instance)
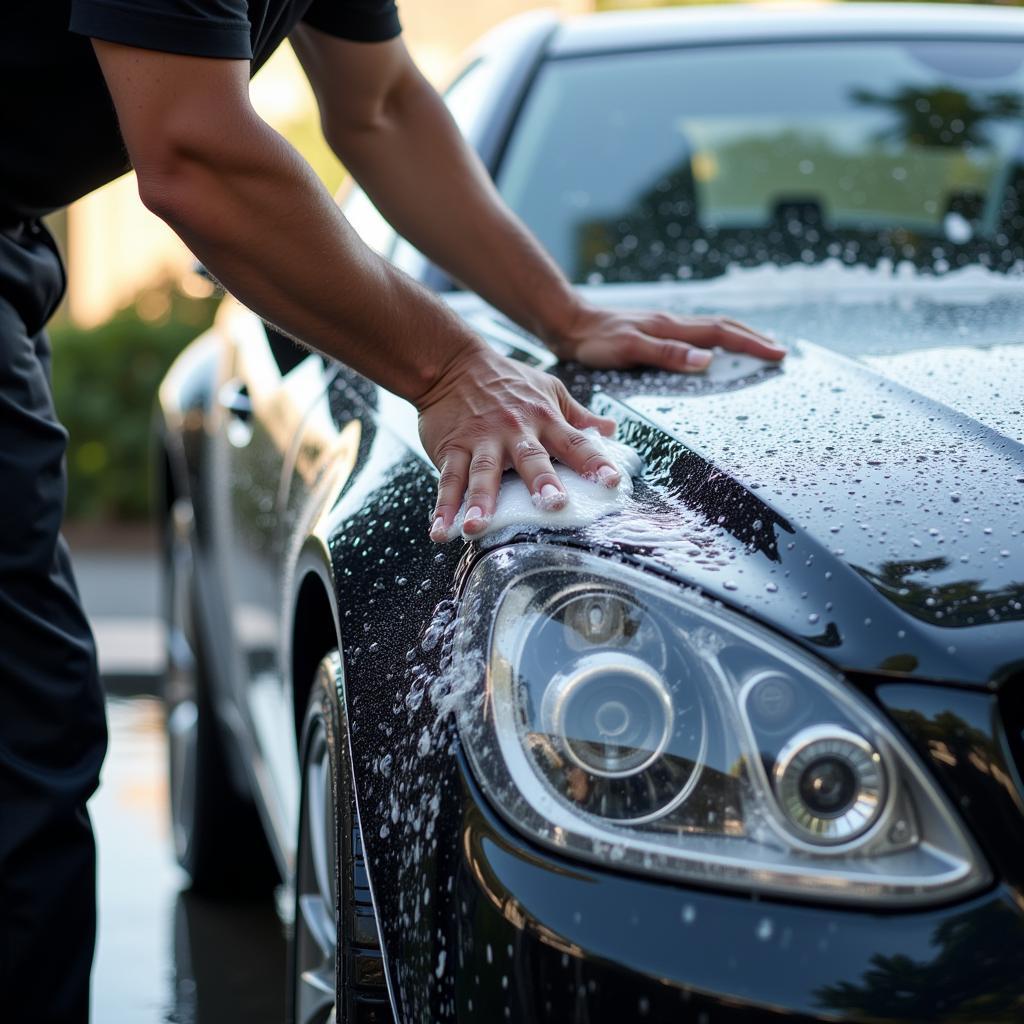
(588, 500)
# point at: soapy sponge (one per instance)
(588, 500)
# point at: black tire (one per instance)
(336, 967)
(218, 838)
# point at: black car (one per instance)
(748, 748)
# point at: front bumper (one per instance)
(481, 926)
(542, 939)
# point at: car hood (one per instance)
(866, 497)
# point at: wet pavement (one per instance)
(165, 956)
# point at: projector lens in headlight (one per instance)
(628, 721)
(830, 784)
(612, 716)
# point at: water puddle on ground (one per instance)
(165, 956)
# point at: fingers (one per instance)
(520, 419)
(581, 453)
(485, 470)
(479, 478)
(707, 332)
(454, 473)
(677, 356)
(580, 416)
(532, 462)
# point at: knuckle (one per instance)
(510, 418)
(449, 478)
(636, 346)
(471, 430)
(483, 462)
(542, 411)
(575, 440)
(663, 352)
(526, 450)
(448, 449)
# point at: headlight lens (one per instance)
(830, 784)
(630, 721)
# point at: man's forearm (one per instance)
(428, 183)
(256, 213)
(252, 209)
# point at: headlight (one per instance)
(629, 721)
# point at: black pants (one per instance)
(52, 728)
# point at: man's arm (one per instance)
(392, 131)
(256, 214)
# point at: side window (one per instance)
(368, 222)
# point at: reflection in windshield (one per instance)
(940, 116)
(682, 164)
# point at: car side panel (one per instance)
(185, 431)
(392, 585)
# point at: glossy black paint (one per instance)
(643, 30)
(966, 740)
(576, 944)
(784, 492)
(850, 544)
(446, 872)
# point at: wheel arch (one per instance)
(314, 631)
(314, 626)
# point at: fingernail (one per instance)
(475, 522)
(437, 530)
(550, 497)
(608, 476)
(697, 358)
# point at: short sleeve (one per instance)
(362, 21)
(198, 28)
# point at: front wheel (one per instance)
(337, 970)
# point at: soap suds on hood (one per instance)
(588, 500)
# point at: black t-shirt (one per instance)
(58, 133)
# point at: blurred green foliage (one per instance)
(104, 384)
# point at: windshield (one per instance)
(681, 163)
